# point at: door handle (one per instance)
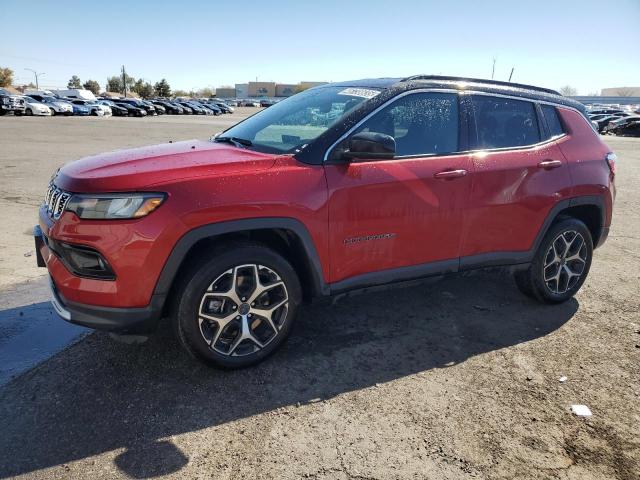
(450, 174)
(549, 164)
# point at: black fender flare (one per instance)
(189, 239)
(591, 200)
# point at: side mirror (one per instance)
(368, 145)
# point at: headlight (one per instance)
(114, 206)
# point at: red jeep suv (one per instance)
(343, 186)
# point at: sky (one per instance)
(588, 44)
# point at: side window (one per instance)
(420, 123)
(553, 120)
(503, 122)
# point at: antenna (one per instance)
(493, 70)
(511, 74)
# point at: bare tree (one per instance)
(568, 91)
(625, 92)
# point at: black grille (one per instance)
(55, 200)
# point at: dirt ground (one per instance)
(448, 379)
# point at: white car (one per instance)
(57, 106)
(33, 107)
(106, 109)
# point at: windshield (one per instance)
(292, 123)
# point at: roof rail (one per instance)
(479, 80)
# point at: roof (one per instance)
(465, 83)
(366, 82)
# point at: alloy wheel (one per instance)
(243, 310)
(564, 262)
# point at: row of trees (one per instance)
(162, 88)
(92, 85)
(117, 84)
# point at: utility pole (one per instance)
(36, 75)
(511, 74)
(124, 82)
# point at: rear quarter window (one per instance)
(554, 124)
(504, 122)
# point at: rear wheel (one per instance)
(560, 265)
(238, 307)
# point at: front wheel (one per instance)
(560, 265)
(237, 307)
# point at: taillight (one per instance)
(611, 161)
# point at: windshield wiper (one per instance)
(236, 141)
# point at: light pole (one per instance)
(36, 75)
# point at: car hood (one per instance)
(144, 167)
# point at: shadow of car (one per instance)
(100, 396)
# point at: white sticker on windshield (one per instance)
(359, 92)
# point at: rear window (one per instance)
(504, 122)
(553, 120)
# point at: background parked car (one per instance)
(57, 106)
(604, 121)
(34, 107)
(223, 106)
(11, 103)
(150, 109)
(160, 110)
(169, 107)
(116, 111)
(622, 126)
(211, 107)
(80, 109)
(194, 108)
(94, 108)
(132, 111)
(186, 108)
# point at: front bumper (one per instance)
(122, 320)
(13, 108)
(126, 321)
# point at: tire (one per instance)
(237, 333)
(53, 112)
(561, 263)
(28, 112)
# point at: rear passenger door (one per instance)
(519, 173)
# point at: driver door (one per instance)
(406, 211)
